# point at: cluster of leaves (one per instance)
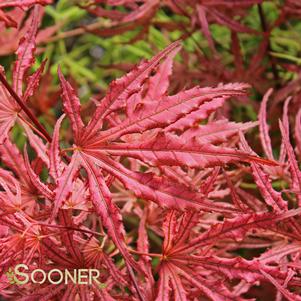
(152, 185)
(241, 38)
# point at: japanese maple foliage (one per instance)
(14, 23)
(192, 18)
(148, 190)
(7, 18)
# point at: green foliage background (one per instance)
(92, 61)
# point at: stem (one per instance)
(31, 126)
(69, 228)
(247, 185)
(24, 107)
(190, 34)
(145, 254)
(75, 32)
(265, 30)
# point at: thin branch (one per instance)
(199, 47)
(145, 254)
(32, 127)
(24, 107)
(75, 32)
(265, 30)
(70, 229)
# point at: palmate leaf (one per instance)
(165, 149)
(184, 261)
(25, 58)
(146, 156)
(235, 229)
(135, 105)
